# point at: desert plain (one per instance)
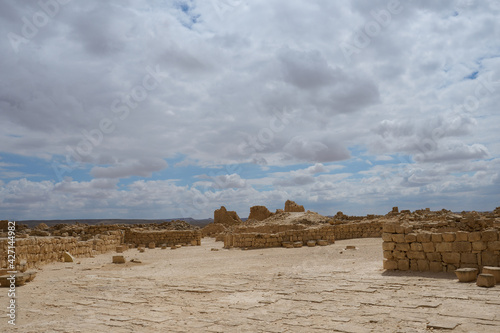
(211, 289)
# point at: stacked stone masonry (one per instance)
(358, 230)
(439, 251)
(168, 237)
(266, 240)
(37, 251)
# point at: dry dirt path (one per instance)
(195, 289)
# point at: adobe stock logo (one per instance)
(31, 26)
(363, 38)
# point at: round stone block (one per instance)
(495, 271)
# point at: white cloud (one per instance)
(142, 168)
(258, 82)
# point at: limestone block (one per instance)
(489, 235)
(424, 237)
(474, 236)
(451, 257)
(414, 265)
(387, 237)
(435, 266)
(468, 258)
(311, 243)
(489, 258)
(479, 246)
(398, 238)
(390, 265)
(399, 254)
(423, 265)
(400, 229)
(389, 228)
(485, 280)
(443, 247)
(449, 236)
(402, 247)
(436, 238)
(415, 255)
(118, 259)
(461, 246)
(462, 236)
(495, 271)
(388, 254)
(388, 246)
(409, 238)
(322, 242)
(428, 247)
(494, 246)
(403, 265)
(416, 247)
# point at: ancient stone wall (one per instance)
(358, 230)
(265, 240)
(259, 213)
(443, 249)
(291, 206)
(226, 217)
(168, 237)
(42, 250)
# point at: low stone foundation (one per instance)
(441, 249)
(37, 251)
(358, 230)
(276, 239)
(169, 237)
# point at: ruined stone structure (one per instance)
(441, 242)
(277, 239)
(362, 229)
(158, 237)
(259, 213)
(37, 251)
(37, 247)
(291, 206)
(226, 217)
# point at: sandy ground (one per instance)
(194, 289)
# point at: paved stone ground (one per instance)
(194, 289)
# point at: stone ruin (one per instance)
(441, 241)
(291, 206)
(259, 213)
(293, 225)
(43, 244)
(225, 217)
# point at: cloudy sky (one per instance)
(141, 109)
